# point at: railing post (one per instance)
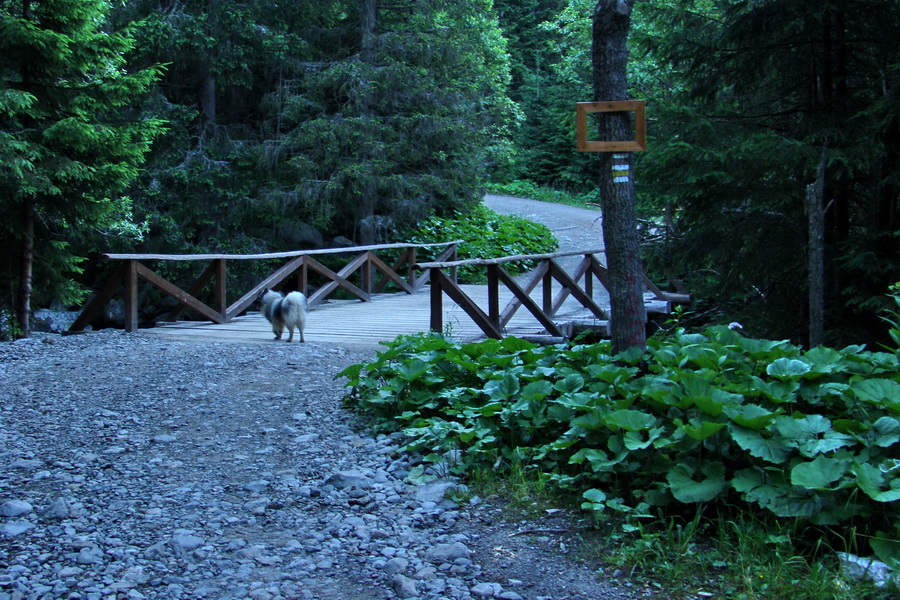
(493, 282)
(437, 297)
(588, 279)
(130, 283)
(366, 274)
(221, 291)
(411, 262)
(303, 278)
(547, 291)
(453, 255)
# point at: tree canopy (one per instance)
(289, 125)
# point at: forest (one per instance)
(191, 126)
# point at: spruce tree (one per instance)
(67, 146)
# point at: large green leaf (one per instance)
(883, 392)
(537, 390)
(750, 416)
(887, 550)
(502, 389)
(631, 420)
(570, 384)
(788, 369)
(687, 489)
(700, 430)
(819, 474)
(771, 449)
(871, 480)
(886, 431)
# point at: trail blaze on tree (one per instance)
(609, 55)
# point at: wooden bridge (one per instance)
(354, 306)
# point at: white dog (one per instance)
(285, 312)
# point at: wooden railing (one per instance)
(364, 263)
(493, 321)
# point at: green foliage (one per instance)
(329, 126)
(522, 188)
(699, 418)
(69, 141)
(486, 234)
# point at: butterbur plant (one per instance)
(714, 417)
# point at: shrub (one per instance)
(487, 234)
(699, 418)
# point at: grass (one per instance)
(522, 188)
(734, 557)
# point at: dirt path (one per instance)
(575, 228)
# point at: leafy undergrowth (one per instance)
(522, 188)
(717, 422)
(487, 234)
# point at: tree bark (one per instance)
(365, 215)
(23, 301)
(816, 256)
(609, 56)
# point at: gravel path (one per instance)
(138, 468)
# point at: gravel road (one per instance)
(138, 468)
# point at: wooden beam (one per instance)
(130, 282)
(449, 287)
(532, 307)
(499, 261)
(214, 269)
(271, 255)
(337, 280)
(447, 253)
(389, 274)
(563, 278)
(179, 294)
(270, 282)
(513, 305)
(96, 304)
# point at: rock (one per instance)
(15, 508)
(24, 464)
(59, 509)
(436, 491)
(163, 439)
(348, 479)
(187, 541)
(89, 556)
(256, 486)
(447, 553)
(404, 587)
(487, 590)
(870, 568)
(396, 565)
(14, 528)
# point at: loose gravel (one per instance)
(133, 467)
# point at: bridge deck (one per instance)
(366, 324)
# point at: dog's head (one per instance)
(268, 296)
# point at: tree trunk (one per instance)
(23, 301)
(609, 55)
(816, 256)
(365, 216)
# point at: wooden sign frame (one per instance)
(638, 144)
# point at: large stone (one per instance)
(348, 479)
(15, 508)
(404, 587)
(447, 553)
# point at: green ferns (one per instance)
(714, 417)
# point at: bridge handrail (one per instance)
(505, 259)
(272, 255)
(299, 264)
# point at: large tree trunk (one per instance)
(23, 301)
(815, 210)
(365, 215)
(609, 55)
